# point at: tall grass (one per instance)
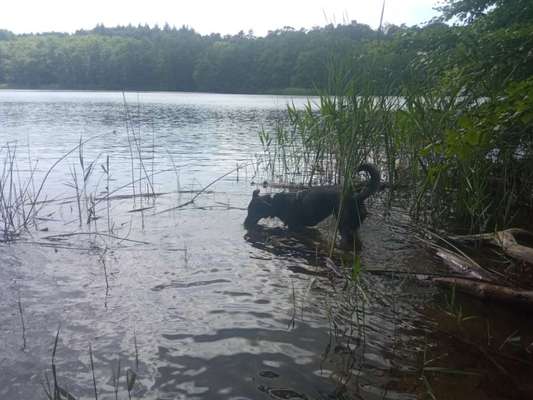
(18, 199)
(56, 391)
(22, 194)
(455, 161)
(326, 141)
(471, 159)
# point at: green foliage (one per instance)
(494, 13)
(5, 35)
(175, 59)
(475, 150)
(356, 268)
(477, 147)
(461, 140)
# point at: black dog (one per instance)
(309, 207)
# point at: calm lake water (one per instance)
(182, 293)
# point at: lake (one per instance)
(160, 277)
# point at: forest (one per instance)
(168, 58)
(179, 59)
(153, 58)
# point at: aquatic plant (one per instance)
(56, 391)
(17, 195)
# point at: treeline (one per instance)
(153, 58)
(490, 52)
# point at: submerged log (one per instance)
(506, 240)
(489, 291)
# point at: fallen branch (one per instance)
(458, 260)
(506, 240)
(465, 265)
(489, 291)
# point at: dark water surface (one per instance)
(198, 306)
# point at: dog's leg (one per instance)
(351, 240)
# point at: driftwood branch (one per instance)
(465, 265)
(489, 291)
(480, 282)
(457, 259)
(506, 240)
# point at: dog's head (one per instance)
(259, 207)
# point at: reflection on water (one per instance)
(198, 133)
(197, 305)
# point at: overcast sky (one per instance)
(206, 16)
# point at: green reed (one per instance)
(470, 160)
(456, 161)
(56, 391)
(326, 141)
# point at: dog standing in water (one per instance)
(310, 206)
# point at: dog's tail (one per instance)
(373, 185)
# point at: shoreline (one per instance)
(273, 92)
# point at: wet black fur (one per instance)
(311, 206)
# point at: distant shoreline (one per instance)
(55, 88)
